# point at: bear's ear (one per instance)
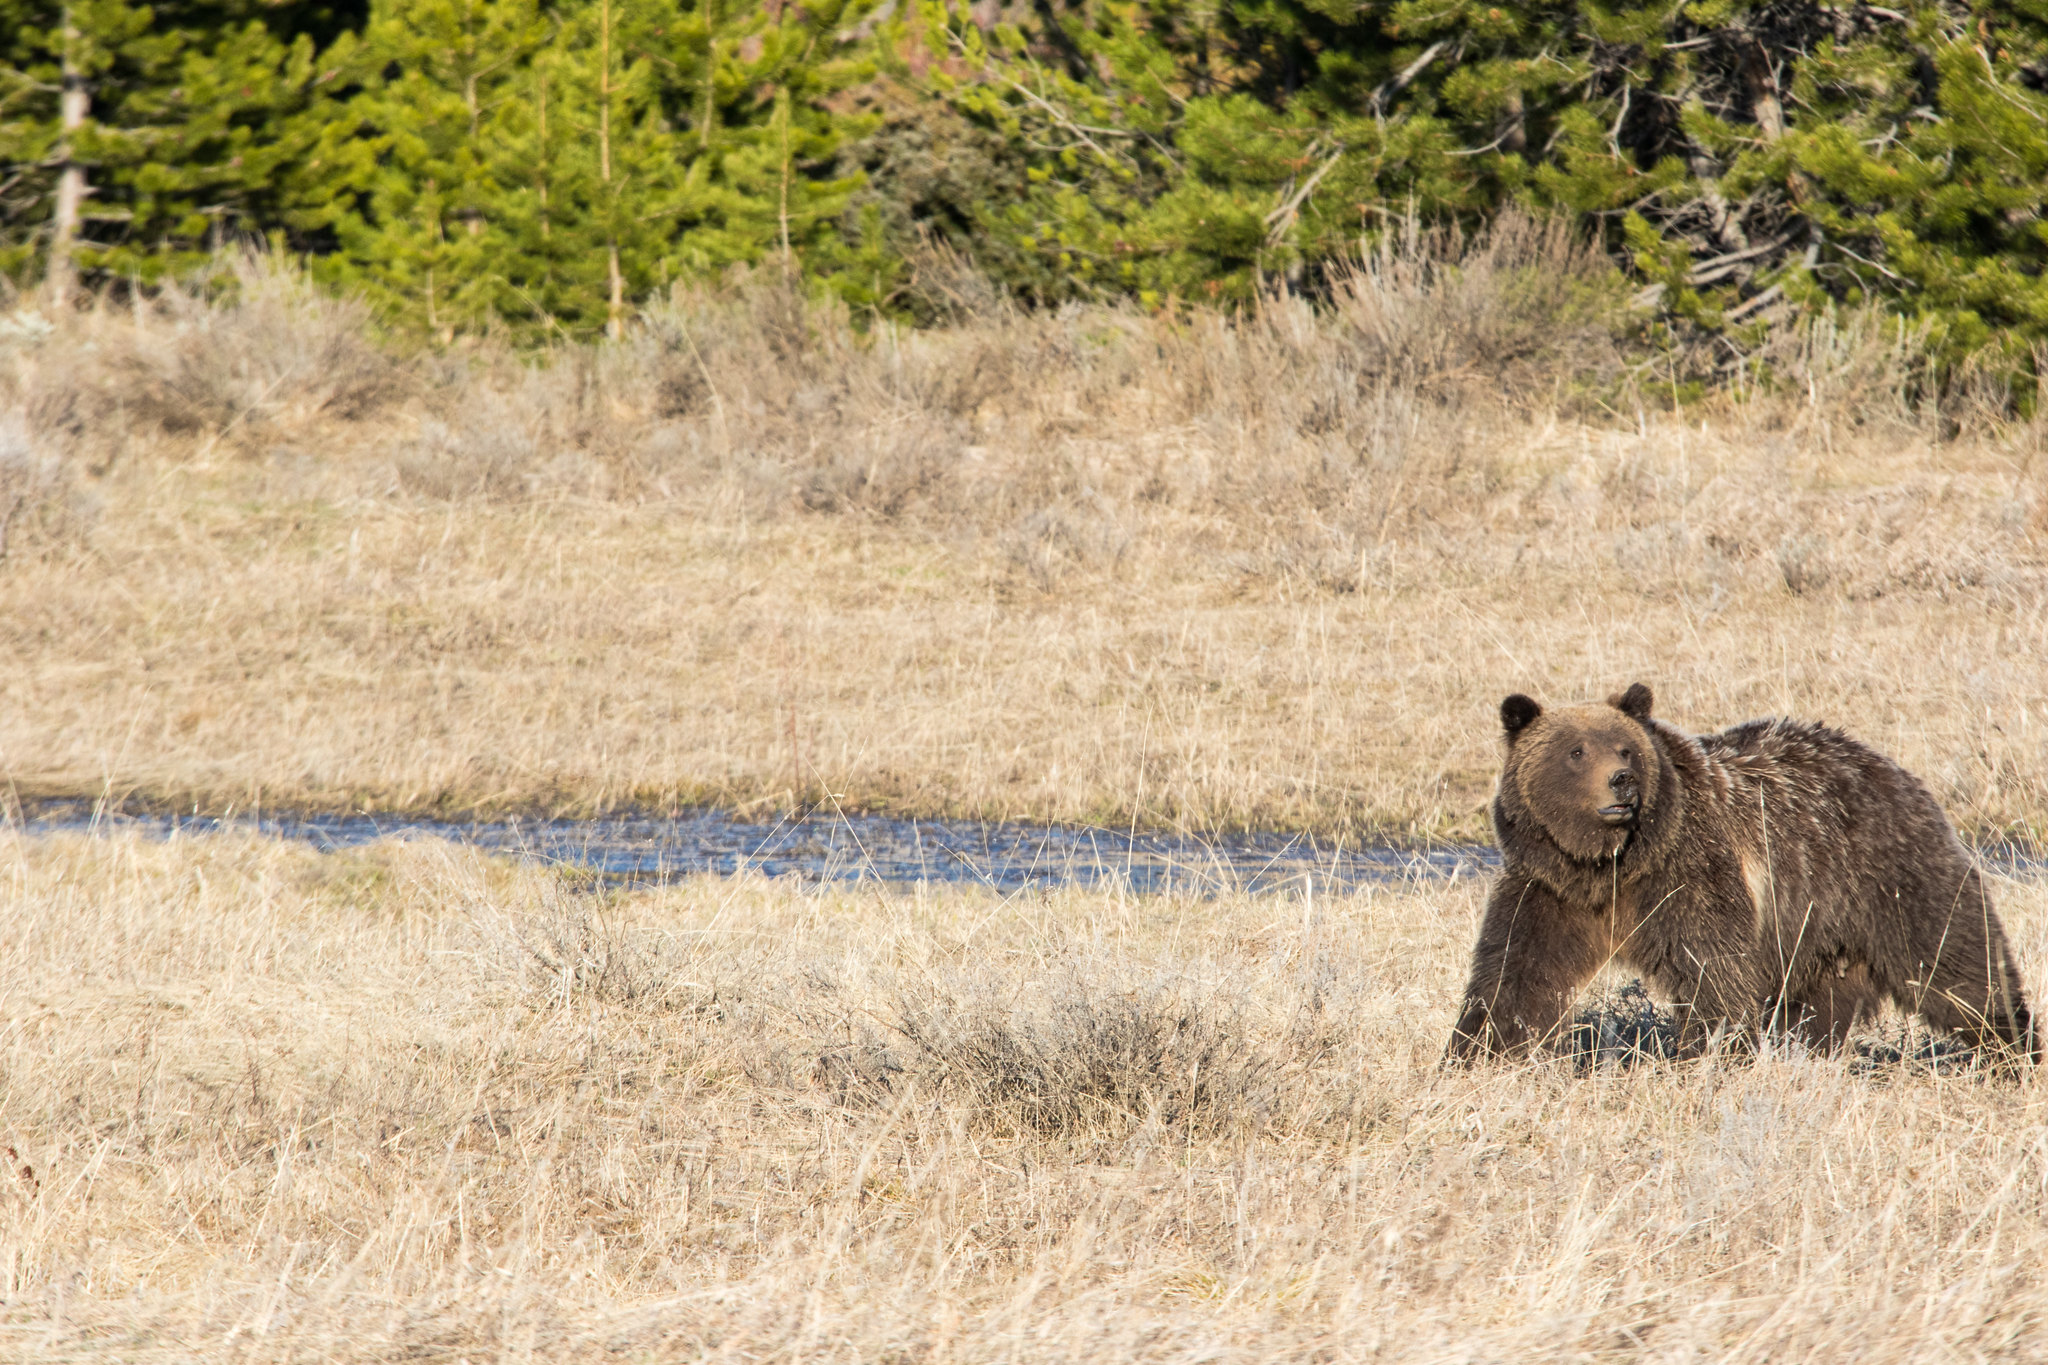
(1635, 702)
(1516, 713)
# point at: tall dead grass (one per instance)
(1273, 569)
(261, 1104)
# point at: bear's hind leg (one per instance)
(2000, 1025)
(1979, 997)
(1964, 978)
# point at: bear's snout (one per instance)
(1627, 797)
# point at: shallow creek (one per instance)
(821, 846)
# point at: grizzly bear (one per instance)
(1774, 879)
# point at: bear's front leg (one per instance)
(1533, 955)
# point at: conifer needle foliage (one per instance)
(547, 167)
(1739, 158)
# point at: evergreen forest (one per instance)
(541, 168)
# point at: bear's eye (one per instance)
(1626, 755)
(1578, 753)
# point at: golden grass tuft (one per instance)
(407, 1102)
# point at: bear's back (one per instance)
(1814, 758)
(1804, 769)
(1777, 739)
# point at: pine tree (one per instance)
(421, 235)
(660, 144)
(551, 282)
(134, 139)
(623, 165)
(761, 184)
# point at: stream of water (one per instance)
(822, 847)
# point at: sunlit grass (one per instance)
(412, 1103)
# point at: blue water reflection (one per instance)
(821, 847)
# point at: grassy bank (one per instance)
(262, 1104)
(1091, 566)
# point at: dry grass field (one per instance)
(1091, 566)
(411, 1104)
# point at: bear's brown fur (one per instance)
(1776, 877)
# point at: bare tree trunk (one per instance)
(546, 225)
(615, 324)
(710, 75)
(74, 104)
(788, 261)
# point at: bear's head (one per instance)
(1585, 773)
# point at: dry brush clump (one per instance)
(1025, 427)
(251, 354)
(40, 502)
(265, 1104)
(1094, 1047)
(257, 348)
(997, 419)
(43, 503)
(248, 352)
(1307, 442)
(1078, 1059)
